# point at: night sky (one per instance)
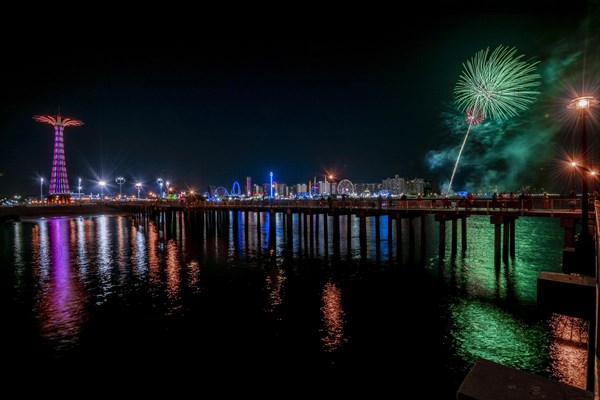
(209, 112)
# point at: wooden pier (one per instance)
(316, 218)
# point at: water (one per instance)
(153, 305)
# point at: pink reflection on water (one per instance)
(333, 317)
(61, 301)
(568, 349)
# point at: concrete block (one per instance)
(488, 380)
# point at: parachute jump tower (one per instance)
(59, 184)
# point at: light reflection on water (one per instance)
(333, 317)
(60, 298)
(254, 291)
(568, 349)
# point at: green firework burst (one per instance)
(498, 86)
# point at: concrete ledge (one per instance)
(488, 380)
(573, 295)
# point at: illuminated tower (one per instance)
(59, 185)
(248, 186)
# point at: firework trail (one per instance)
(473, 118)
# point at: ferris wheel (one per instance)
(221, 192)
(345, 187)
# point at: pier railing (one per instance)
(479, 206)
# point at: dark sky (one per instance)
(211, 112)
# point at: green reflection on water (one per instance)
(493, 308)
(484, 330)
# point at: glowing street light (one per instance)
(160, 183)
(79, 187)
(42, 189)
(120, 181)
(138, 186)
(102, 184)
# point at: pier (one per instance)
(316, 218)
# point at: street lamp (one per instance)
(79, 188)
(586, 248)
(138, 186)
(167, 187)
(160, 183)
(120, 180)
(41, 189)
(582, 104)
(102, 184)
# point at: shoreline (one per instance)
(12, 213)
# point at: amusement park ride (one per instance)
(59, 184)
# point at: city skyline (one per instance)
(214, 112)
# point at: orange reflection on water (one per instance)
(274, 286)
(153, 259)
(121, 253)
(333, 317)
(193, 276)
(173, 269)
(568, 350)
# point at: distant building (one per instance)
(257, 190)
(324, 188)
(248, 186)
(427, 187)
(367, 188)
(300, 189)
(414, 186)
(266, 189)
(281, 189)
(395, 186)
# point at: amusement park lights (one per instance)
(102, 184)
(59, 184)
(138, 186)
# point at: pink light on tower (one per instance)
(58, 180)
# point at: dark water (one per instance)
(153, 305)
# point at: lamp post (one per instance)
(41, 189)
(585, 245)
(138, 186)
(102, 184)
(582, 104)
(120, 181)
(160, 183)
